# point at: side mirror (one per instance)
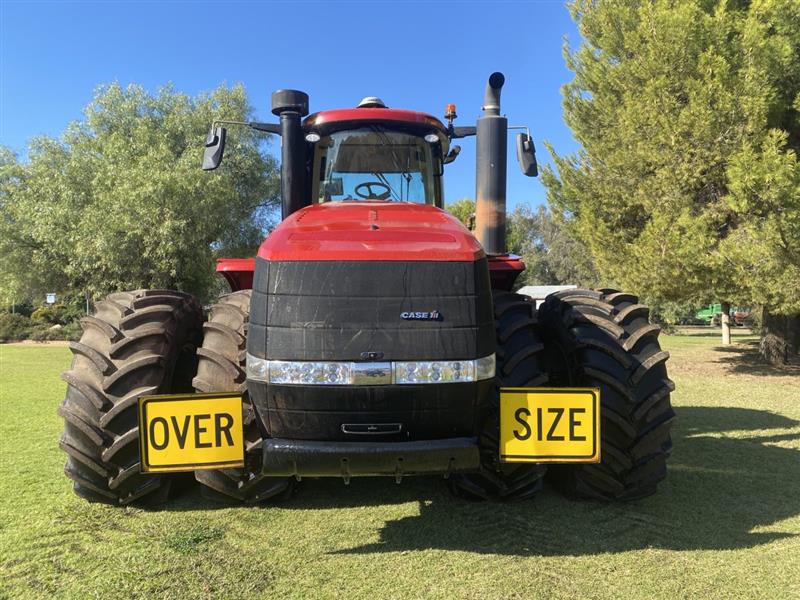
(526, 155)
(215, 147)
(335, 187)
(452, 155)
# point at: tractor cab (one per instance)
(375, 154)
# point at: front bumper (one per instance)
(300, 458)
(334, 413)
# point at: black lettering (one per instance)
(226, 429)
(198, 430)
(573, 423)
(550, 437)
(181, 435)
(518, 415)
(165, 425)
(539, 424)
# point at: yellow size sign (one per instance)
(189, 432)
(559, 425)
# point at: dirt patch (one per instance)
(744, 359)
(740, 359)
(711, 332)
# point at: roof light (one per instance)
(371, 102)
(431, 138)
(312, 137)
(450, 114)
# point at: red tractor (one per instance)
(373, 334)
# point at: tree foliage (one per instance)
(463, 210)
(120, 201)
(551, 255)
(687, 183)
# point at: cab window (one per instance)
(373, 163)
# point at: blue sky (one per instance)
(416, 55)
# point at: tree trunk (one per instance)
(726, 323)
(780, 337)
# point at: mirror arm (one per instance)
(215, 141)
(258, 126)
(461, 132)
(525, 127)
(267, 127)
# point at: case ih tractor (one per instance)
(373, 334)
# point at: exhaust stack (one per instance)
(490, 172)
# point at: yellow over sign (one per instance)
(189, 432)
(557, 425)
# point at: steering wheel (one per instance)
(387, 191)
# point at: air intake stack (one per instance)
(291, 106)
(490, 173)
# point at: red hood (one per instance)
(371, 231)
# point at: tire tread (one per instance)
(221, 368)
(130, 347)
(606, 341)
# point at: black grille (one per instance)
(344, 310)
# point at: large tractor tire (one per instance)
(221, 368)
(519, 364)
(604, 339)
(136, 343)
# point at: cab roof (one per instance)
(370, 114)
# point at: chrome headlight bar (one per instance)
(291, 372)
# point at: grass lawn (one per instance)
(724, 524)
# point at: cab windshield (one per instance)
(374, 163)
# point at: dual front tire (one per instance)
(604, 339)
(147, 342)
(221, 368)
(137, 343)
(582, 338)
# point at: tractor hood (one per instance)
(388, 231)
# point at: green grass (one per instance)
(724, 524)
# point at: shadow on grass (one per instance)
(743, 358)
(314, 494)
(718, 491)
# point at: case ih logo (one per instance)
(421, 316)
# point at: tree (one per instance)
(120, 201)
(686, 184)
(550, 254)
(464, 211)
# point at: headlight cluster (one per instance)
(446, 371)
(379, 373)
(309, 373)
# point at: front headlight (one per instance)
(289, 372)
(434, 371)
(485, 367)
(256, 368)
(309, 373)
